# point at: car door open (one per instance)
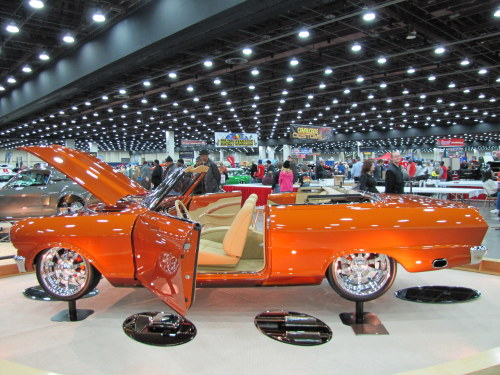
(165, 255)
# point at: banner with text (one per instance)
(451, 142)
(314, 133)
(192, 143)
(223, 139)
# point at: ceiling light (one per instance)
(406, 91)
(11, 80)
(411, 70)
(247, 51)
(432, 77)
(303, 34)
(466, 91)
(347, 91)
(328, 71)
(68, 38)
(322, 85)
(497, 13)
(12, 28)
(251, 87)
(255, 71)
(172, 75)
(412, 34)
(98, 16)
(382, 60)
(356, 47)
(217, 81)
(452, 85)
(146, 83)
(383, 85)
(294, 62)
(122, 91)
(2, 88)
(483, 71)
(369, 16)
(289, 79)
(37, 4)
(43, 56)
(465, 62)
(439, 50)
(207, 63)
(27, 69)
(360, 79)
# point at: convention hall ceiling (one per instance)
(373, 69)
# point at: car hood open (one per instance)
(92, 174)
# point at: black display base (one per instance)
(159, 328)
(363, 323)
(438, 294)
(72, 314)
(293, 328)
(37, 293)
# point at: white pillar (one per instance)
(93, 147)
(342, 156)
(262, 153)
(221, 154)
(286, 152)
(70, 143)
(270, 152)
(170, 144)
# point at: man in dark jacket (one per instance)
(157, 173)
(394, 182)
(169, 167)
(212, 178)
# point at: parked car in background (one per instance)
(237, 176)
(5, 175)
(135, 237)
(41, 192)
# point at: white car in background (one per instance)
(6, 173)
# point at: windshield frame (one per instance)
(12, 182)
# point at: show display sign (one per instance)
(190, 142)
(451, 142)
(315, 133)
(223, 139)
(302, 151)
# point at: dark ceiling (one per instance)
(384, 104)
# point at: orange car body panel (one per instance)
(91, 173)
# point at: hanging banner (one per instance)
(189, 142)
(236, 139)
(451, 142)
(315, 133)
(301, 151)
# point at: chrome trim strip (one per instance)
(477, 253)
(21, 263)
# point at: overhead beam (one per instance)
(156, 31)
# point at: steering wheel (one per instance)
(182, 211)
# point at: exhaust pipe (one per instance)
(439, 263)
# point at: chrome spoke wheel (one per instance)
(362, 276)
(65, 274)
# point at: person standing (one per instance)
(443, 172)
(379, 168)
(212, 178)
(356, 170)
(276, 176)
(146, 176)
(394, 182)
(169, 167)
(319, 170)
(286, 178)
(180, 164)
(261, 170)
(293, 168)
(156, 175)
(412, 168)
(253, 170)
(366, 181)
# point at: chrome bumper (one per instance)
(21, 263)
(477, 253)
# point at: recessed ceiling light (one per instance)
(247, 51)
(12, 28)
(43, 56)
(207, 63)
(303, 34)
(439, 50)
(37, 4)
(465, 62)
(369, 16)
(356, 47)
(68, 38)
(98, 16)
(294, 62)
(27, 69)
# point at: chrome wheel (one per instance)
(65, 274)
(362, 276)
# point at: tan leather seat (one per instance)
(228, 251)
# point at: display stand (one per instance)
(72, 314)
(363, 323)
(37, 293)
(438, 294)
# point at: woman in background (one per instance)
(286, 178)
(366, 181)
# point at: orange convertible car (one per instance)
(155, 239)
